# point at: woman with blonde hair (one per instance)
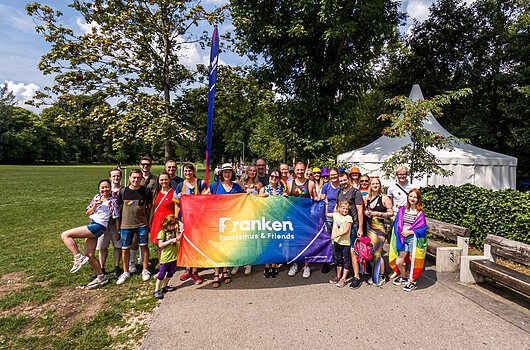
(378, 207)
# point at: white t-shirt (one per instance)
(399, 197)
(106, 210)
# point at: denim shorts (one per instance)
(96, 229)
(127, 235)
(408, 243)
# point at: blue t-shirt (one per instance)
(331, 194)
(218, 188)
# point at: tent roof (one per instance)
(463, 153)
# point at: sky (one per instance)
(21, 47)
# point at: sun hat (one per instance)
(316, 170)
(355, 170)
(227, 166)
(325, 172)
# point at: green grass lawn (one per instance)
(42, 305)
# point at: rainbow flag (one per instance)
(416, 259)
(241, 229)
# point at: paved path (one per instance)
(296, 313)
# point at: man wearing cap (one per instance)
(355, 175)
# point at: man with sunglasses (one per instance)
(148, 179)
(399, 191)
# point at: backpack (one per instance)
(364, 250)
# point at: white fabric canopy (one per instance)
(469, 163)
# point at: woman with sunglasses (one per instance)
(364, 185)
(378, 207)
(274, 188)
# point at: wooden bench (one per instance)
(475, 268)
(447, 257)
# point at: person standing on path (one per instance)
(304, 188)
(353, 197)
(226, 185)
(190, 186)
(135, 205)
(378, 207)
(168, 244)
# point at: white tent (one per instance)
(470, 164)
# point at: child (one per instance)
(168, 242)
(340, 235)
(408, 241)
(100, 210)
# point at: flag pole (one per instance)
(212, 76)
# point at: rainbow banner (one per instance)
(241, 229)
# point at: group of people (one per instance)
(148, 209)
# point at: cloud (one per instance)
(85, 27)
(22, 92)
(418, 9)
(16, 19)
(191, 54)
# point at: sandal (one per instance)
(226, 277)
(216, 283)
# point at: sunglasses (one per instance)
(364, 181)
(274, 177)
(145, 164)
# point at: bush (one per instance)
(504, 213)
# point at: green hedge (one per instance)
(503, 213)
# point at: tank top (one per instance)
(379, 206)
(300, 190)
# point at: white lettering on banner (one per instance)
(254, 225)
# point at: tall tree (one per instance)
(484, 46)
(132, 55)
(320, 56)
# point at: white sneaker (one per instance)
(123, 277)
(132, 268)
(146, 275)
(78, 263)
(393, 275)
(97, 282)
(293, 270)
(248, 270)
(307, 272)
(235, 270)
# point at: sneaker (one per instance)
(409, 287)
(196, 278)
(248, 269)
(78, 263)
(370, 281)
(168, 289)
(274, 272)
(393, 275)
(117, 271)
(400, 280)
(307, 272)
(185, 275)
(235, 270)
(132, 268)
(355, 283)
(341, 283)
(267, 272)
(326, 268)
(334, 280)
(97, 282)
(123, 277)
(382, 280)
(293, 270)
(158, 294)
(146, 275)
